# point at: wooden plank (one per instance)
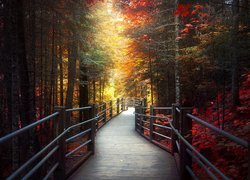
(121, 153)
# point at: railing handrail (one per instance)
(162, 108)
(146, 122)
(58, 138)
(26, 128)
(194, 150)
(224, 133)
(152, 116)
(233, 138)
(81, 123)
(32, 159)
(38, 122)
(199, 158)
(78, 109)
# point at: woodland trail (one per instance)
(121, 153)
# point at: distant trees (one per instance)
(48, 40)
(64, 52)
(14, 74)
(42, 45)
(194, 49)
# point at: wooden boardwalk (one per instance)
(121, 153)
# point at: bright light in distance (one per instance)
(130, 111)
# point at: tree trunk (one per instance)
(23, 66)
(71, 73)
(245, 12)
(94, 91)
(61, 68)
(41, 107)
(177, 75)
(12, 55)
(83, 87)
(46, 86)
(151, 79)
(53, 65)
(100, 90)
(235, 62)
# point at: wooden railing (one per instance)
(91, 118)
(107, 110)
(179, 125)
(147, 126)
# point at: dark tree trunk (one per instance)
(12, 76)
(53, 65)
(177, 73)
(23, 67)
(235, 61)
(33, 58)
(100, 90)
(94, 91)
(61, 73)
(41, 98)
(151, 79)
(83, 87)
(71, 73)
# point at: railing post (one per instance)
(122, 108)
(141, 118)
(144, 102)
(248, 147)
(175, 123)
(186, 132)
(136, 117)
(93, 129)
(151, 135)
(59, 128)
(111, 109)
(125, 104)
(96, 111)
(118, 105)
(105, 112)
(248, 176)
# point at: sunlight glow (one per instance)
(130, 111)
(110, 28)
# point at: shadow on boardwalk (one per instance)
(121, 153)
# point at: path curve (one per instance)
(121, 153)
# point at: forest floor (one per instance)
(228, 156)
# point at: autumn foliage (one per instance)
(76, 53)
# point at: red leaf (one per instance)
(182, 9)
(197, 7)
(185, 30)
(184, 14)
(189, 25)
(194, 12)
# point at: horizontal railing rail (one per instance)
(180, 126)
(36, 156)
(163, 108)
(145, 124)
(219, 131)
(78, 109)
(63, 137)
(26, 128)
(42, 151)
(184, 145)
(77, 135)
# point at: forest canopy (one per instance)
(74, 53)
